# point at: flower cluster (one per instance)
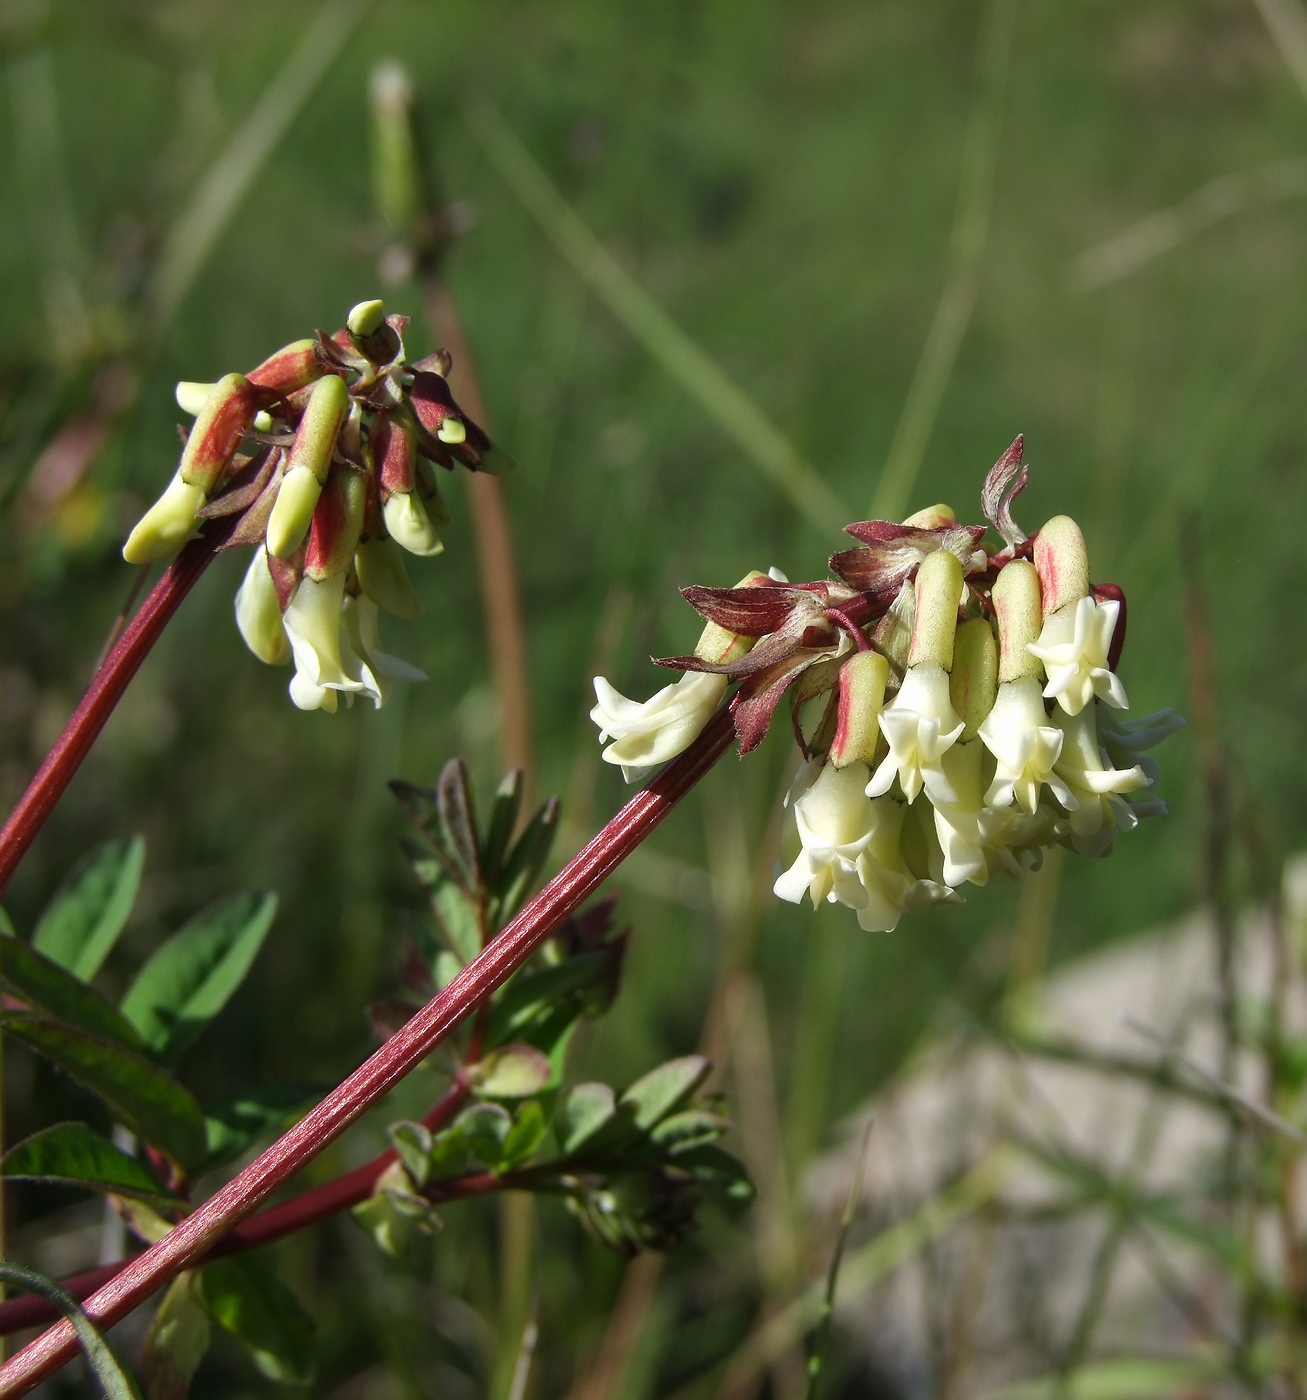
(324, 454)
(969, 697)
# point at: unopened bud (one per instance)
(192, 396)
(1063, 563)
(337, 524)
(893, 635)
(939, 591)
(932, 518)
(394, 454)
(291, 368)
(1017, 601)
(366, 317)
(315, 438)
(410, 525)
(223, 420)
(258, 613)
(861, 699)
(167, 525)
(719, 644)
(385, 580)
(292, 511)
(452, 431)
(973, 682)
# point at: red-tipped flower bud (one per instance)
(291, 368)
(861, 699)
(337, 524)
(223, 421)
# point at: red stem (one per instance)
(260, 1229)
(104, 693)
(192, 1238)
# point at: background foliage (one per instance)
(782, 178)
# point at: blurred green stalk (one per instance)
(735, 413)
(898, 478)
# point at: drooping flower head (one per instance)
(322, 457)
(960, 689)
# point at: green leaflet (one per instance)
(114, 1381)
(74, 1154)
(83, 920)
(143, 1097)
(246, 1298)
(235, 1124)
(177, 1340)
(189, 979)
(47, 986)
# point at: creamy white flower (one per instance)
(650, 732)
(334, 643)
(258, 613)
(1098, 789)
(970, 829)
(850, 850)
(1025, 745)
(1073, 647)
(920, 726)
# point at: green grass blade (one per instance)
(735, 413)
(203, 221)
(907, 450)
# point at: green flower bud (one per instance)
(192, 396)
(223, 420)
(939, 591)
(366, 317)
(291, 368)
(932, 518)
(384, 579)
(973, 682)
(292, 511)
(452, 430)
(1063, 563)
(410, 525)
(861, 698)
(315, 438)
(258, 613)
(337, 524)
(1018, 603)
(167, 525)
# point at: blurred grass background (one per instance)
(784, 181)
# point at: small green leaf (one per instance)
(412, 1142)
(717, 1171)
(665, 1089)
(448, 1152)
(586, 1109)
(142, 1096)
(189, 979)
(485, 1127)
(236, 1124)
(525, 861)
(46, 986)
(395, 1216)
(458, 917)
(246, 1298)
(524, 1137)
(82, 922)
(74, 1154)
(533, 1003)
(114, 1381)
(177, 1340)
(511, 1072)
(503, 818)
(692, 1127)
(458, 822)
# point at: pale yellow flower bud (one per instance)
(410, 525)
(258, 613)
(167, 525)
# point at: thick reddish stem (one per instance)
(104, 693)
(194, 1236)
(268, 1225)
